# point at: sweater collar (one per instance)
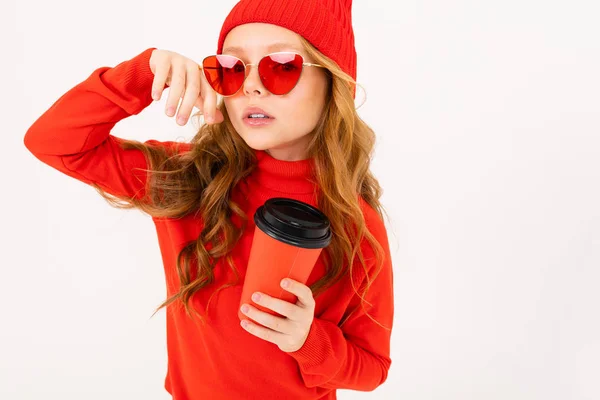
(284, 176)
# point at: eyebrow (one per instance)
(274, 46)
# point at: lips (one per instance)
(255, 110)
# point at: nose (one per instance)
(252, 83)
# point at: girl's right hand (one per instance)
(185, 80)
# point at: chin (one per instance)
(257, 144)
(258, 140)
(257, 147)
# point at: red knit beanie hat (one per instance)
(326, 24)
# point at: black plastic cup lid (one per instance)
(294, 222)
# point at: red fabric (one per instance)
(326, 24)
(220, 360)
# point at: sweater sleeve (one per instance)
(73, 135)
(357, 355)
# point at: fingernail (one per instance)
(181, 120)
(170, 111)
(285, 283)
(256, 297)
(155, 95)
(245, 309)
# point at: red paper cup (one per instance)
(288, 238)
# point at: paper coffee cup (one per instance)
(288, 239)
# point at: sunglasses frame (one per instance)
(247, 70)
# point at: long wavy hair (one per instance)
(199, 181)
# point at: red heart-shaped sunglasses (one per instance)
(279, 72)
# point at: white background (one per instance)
(488, 124)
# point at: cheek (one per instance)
(230, 107)
(234, 109)
(303, 116)
(306, 108)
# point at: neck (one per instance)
(296, 176)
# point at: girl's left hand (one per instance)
(290, 333)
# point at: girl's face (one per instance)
(294, 114)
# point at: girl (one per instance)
(286, 127)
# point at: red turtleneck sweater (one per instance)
(220, 360)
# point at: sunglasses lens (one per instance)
(224, 73)
(280, 72)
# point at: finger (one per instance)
(160, 79)
(192, 89)
(199, 104)
(206, 88)
(303, 292)
(218, 116)
(210, 100)
(273, 322)
(263, 333)
(282, 307)
(178, 76)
